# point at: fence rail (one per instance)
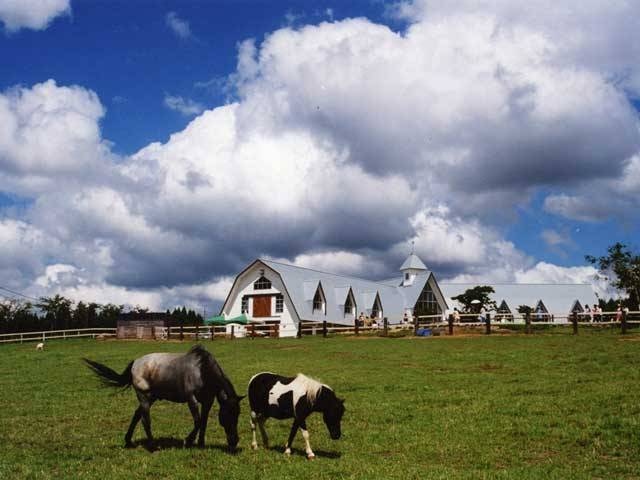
(21, 337)
(419, 325)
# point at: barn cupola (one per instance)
(411, 267)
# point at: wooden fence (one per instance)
(51, 334)
(422, 325)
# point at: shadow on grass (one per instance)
(169, 443)
(298, 451)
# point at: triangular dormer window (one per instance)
(319, 301)
(349, 304)
(376, 309)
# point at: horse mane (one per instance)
(311, 386)
(211, 368)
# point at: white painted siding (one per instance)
(244, 286)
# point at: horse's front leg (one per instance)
(193, 407)
(292, 434)
(307, 445)
(204, 417)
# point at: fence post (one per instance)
(324, 328)
(168, 330)
(415, 325)
(574, 322)
(299, 332)
(385, 326)
(624, 322)
(212, 330)
(488, 323)
(450, 320)
(20, 338)
(233, 327)
(527, 323)
(181, 332)
(197, 332)
(356, 326)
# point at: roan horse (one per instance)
(192, 378)
(272, 395)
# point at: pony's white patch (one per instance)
(300, 386)
(40, 346)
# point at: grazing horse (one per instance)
(272, 395)
(192, 378)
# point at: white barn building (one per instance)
(285, 295)
(545, 299)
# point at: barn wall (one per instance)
(244, 286)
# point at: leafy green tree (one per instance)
(80, 316)
(17, 316)
(524, 309)
(109, 314)
(57, 310)
(621, 267)
(481, 294)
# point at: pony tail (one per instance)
(109, 377)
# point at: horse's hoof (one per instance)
(129, 445)
(254, 446)
(287, 452)
(311, 457)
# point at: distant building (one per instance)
(283, 293)
(544, 299)
(149, 325)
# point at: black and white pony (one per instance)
(272, 395)
(192, 378)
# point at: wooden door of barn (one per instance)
(262, 306)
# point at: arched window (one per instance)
(319, 301)
(262, 284)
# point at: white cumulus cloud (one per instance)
(33, 14)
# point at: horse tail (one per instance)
(111, 378)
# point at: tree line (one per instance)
(60, 313)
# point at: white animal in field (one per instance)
(40, 346)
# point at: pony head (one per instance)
(332, 416)
(228, 418)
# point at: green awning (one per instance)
(222, 320)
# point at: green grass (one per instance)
(515, 406)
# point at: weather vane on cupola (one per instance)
(413, 244)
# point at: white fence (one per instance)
(51, 334)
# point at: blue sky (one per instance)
(502, 141)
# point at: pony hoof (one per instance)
(129, 445)
(254, 446)
(287, 452)
(311, 456)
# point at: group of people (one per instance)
(595, 314)
(365, 321)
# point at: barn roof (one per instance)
(557, 298)
(302, 283)
(413, 261)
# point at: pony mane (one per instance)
(311, 386)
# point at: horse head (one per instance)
(228, 417)
(332, 415)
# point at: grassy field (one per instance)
(543, 406)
